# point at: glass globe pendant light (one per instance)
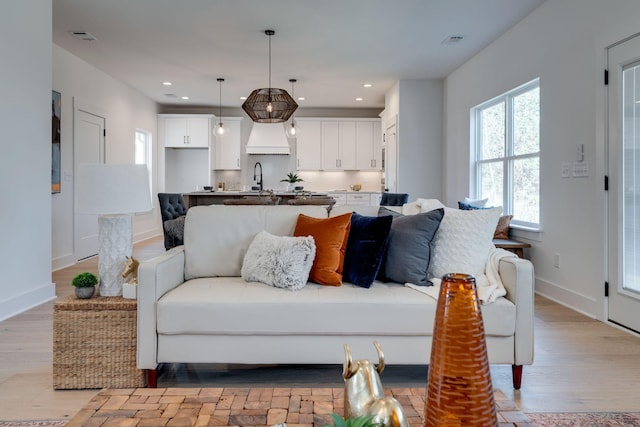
(220, 128)
(292, 129)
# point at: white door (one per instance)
(391, 161)
(624, 183)
(88, 147)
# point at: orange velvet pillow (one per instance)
(330, 236)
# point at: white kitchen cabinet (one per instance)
(227, 148)
(186, 131)
(341, 198)
(359, 199)
(368, 145)
(309, 145)
(375, 199)
(338, 145)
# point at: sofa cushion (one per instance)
(215, 246)
(280, 261)
(231, 306)
(409, 248)
(330, 236)
(463, 241)
(365, 248)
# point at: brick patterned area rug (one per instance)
(42, 423)
(590, 419)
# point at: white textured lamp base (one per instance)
(115, 236)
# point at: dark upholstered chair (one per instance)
(394, 199)
(173, 210)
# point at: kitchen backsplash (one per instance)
(272, 173)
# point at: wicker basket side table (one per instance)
(94, 343)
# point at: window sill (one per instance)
(528, 233)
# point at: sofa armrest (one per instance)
(518, 279)
(156, 277)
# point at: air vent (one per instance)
(453, 39)
(83, 35)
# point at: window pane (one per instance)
(526, 190)
(140, 149)
(491, 178)
(492, 136)
(526, 122)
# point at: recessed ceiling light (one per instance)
(184, 97)
(367, 85)
(358, 99)
(167, 83)
(301, 98)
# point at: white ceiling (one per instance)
(331, 46)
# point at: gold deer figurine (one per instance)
(130, 272)
(363, 392)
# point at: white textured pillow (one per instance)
(420, 206)
(279, 261)
(476, 203)
(463, 241)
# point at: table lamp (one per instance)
(114, 192)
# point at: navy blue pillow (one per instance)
(467, 207)
(365, 248)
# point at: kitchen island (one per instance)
(204, 198)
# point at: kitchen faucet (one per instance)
(259, 182)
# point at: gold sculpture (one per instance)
(363, 392)
(130, 270)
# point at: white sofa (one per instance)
(193, 306)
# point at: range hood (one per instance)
(267, 138)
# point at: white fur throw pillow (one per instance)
(279, 261)
(463, 242)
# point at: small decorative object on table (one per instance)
(85, 284)
(361, 421)
(364, 394)
(130, 276)
(459, 389)
(291, 179)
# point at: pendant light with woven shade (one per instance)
(269, 105)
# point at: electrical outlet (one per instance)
(556, 260)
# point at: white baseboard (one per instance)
(568, 298)
(27, 300)
(144, 235)
(62, 262)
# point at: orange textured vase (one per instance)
(459, 389)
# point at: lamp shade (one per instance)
(269, 105)
(107, 189)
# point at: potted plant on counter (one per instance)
(292, 179)
(85, 284)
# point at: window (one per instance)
(142, 151)
(506, 163)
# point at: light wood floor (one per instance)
(580, 364)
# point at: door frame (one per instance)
(79, 105)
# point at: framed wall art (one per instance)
(56, 104)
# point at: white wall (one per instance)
(563, 43)
(25, 162)
(418, 105)
(125, 110)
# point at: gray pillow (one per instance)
(410, 246)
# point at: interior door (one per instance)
(624, 183)
(391, 161)
(88, 147)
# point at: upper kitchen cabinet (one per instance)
(368, 145)
(228, 146)
(309, 145)
(186, 131)
(338, 145)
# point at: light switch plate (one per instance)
(580, 170)
(565, 171)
